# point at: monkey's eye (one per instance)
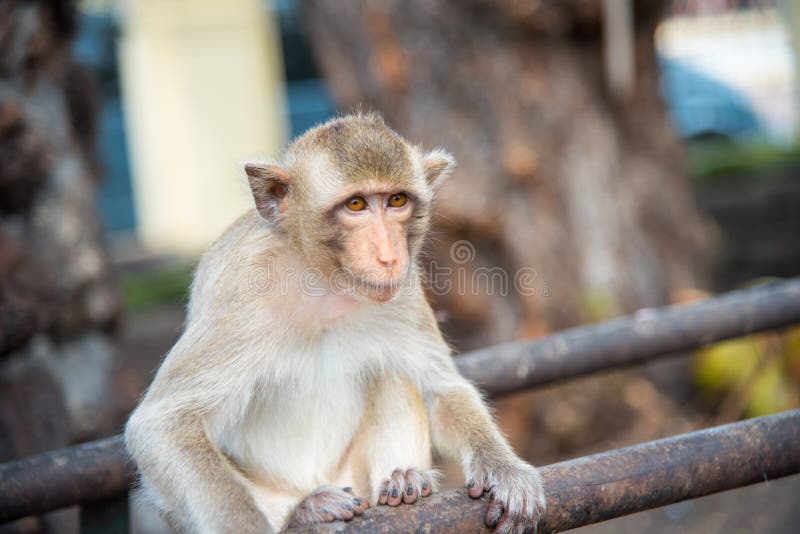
(398, 200)
(356, 204)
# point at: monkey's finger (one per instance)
(394, 496)
(426, 487)
(328, 516)
(396, 487)
(346, 512)
(384, 495)
(360, 504)
(493, 513)
(410, 494)
(475, 489)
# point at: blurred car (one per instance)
(730, 75)
(704, 108)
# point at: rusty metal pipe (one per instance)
(85, 473)
(98, 470)
(643, 336)
(581, 491)
(619, 482)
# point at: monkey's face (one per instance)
(353, 197)
(373, 242)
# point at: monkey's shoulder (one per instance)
(246, 236)
(235, 257)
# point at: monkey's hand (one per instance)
(326, 504)
(406, 486)
(517, 495)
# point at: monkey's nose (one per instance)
(387, 262)
(386, 255)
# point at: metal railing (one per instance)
(580, 491)
(646, 335)
(619, 482)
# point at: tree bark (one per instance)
(555, 174)
(58, 299)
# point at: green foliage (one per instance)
(713, 159)
(598, 305)
(727, 365)
(760, 373)
(147, 289)
(770, 392)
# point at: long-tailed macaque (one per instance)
(311, 381)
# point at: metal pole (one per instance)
(581, 491)
(82, 474)
(100, 470)
(619, 482)
(643, 336)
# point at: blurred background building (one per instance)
(201, 87)
(730, 76)
(206, 85)
(727, 73)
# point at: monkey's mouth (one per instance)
(378, 285)
(379, 290)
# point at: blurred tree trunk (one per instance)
(58, 300)
(555, 173)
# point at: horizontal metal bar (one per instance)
(620, 482)
(633, 339)
(82, 474)
(99, 470)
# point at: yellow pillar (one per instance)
(792, 21)
(203, 90)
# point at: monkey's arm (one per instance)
(193, 482)
(462, 428)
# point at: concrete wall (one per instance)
(203, 89)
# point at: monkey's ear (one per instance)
(269, 184)
(437, 165)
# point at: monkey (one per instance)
(311, 381)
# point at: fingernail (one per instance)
(395, 493)
(357, 501)
(325, 511)
(349, 507)
(424, 485)
(471, 484)
(409, 490)
(348, 488)
(385, 491)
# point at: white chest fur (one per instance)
(295, 432)
(295, 435)
(312, 408)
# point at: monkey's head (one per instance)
(353, 197)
